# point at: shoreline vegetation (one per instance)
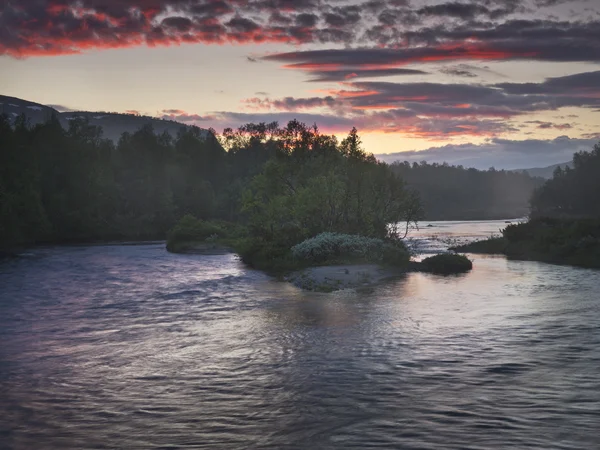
(285, 198)
(574, 242)
(564, 225)
(67, 183)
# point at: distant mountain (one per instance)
(544, 172)
(113, 124)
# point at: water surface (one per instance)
(132, 347)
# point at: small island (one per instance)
(325, 263)
(318, 214)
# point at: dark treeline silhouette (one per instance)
(72, 185)
(572, 192)
(455, 193)
(564, 225)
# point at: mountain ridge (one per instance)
(113, 124)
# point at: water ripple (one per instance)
(131, 347)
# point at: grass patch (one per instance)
(278, 258)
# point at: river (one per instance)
(128, 346)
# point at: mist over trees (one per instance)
(69, 186)
(455, 193)
(288, 182)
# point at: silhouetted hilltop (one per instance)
(544, 172)
(113, 124)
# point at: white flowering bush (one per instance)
(336, 246)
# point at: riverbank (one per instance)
(574, 242)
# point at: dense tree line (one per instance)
(572, 192)
(72, 185)
(455, 193)
(60, 185)
(284, 183)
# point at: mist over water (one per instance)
(132, 347)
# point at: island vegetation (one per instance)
(282, 197)
(564, 227)
(268, 192)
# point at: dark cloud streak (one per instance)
(429, 110)
(479, 29)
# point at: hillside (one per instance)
(113, 124)
(544, 172)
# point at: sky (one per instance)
(481, 83)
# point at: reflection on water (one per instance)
(130, 347)
(436, 237)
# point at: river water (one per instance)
(134, 348)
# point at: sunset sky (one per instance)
(508, 83)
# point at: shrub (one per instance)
(336, 247)
(189, 229)
(493, 245)
(447, 263)
(270, 256)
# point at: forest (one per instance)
(564, 225)
(72, 185)
(573, 192)
(456, 193)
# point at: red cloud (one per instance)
(435, 110)
(395, 34)
(57, 27)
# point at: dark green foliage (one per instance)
(284, 184)
(395, 254)
(191, 230)
(493, 246)
(72, 185)
(447, 264)
(455, 193)
(559, 241)
(314, 184)
(572, 192)
(565, 217)
(271, 256)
